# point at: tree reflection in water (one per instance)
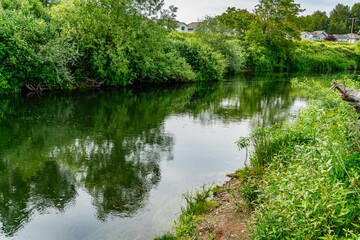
(111, 142)
(50, 188)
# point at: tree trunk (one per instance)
(350, 95)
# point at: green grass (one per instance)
(197, 203)
(304, 175)
(316, 55)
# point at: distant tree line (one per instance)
(52, 44)
(338, 22)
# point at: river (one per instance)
(114, 163)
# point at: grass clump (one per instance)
(196, 204)
(304, 174)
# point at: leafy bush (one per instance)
(331, 38)
(230, 47)
(79, 43)
(204, 61)
(30, 53)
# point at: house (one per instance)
(192, 26)
(342, 37)
(353, 38)
(319, 35)
(305, 36)
(181, 26)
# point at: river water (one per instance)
(113, 164)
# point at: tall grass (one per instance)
(315, 55)
(307, 171)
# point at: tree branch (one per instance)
(349, 95)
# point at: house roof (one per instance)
(192, 25)
(341, 36)
(302, 33)
(354, 36)
(317, 33)
(180, 23)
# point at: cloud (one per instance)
(190, 10)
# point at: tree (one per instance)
(119, 40)
(211, 24)
(238, 19)
(355, 13)
(303, 23)
(319, 21)
(339, 20)
(278, 17)
(314, 22)
(30, 51)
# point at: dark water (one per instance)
(113, 164)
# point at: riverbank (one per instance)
(223, 216)
(303, 178)
(57, 48)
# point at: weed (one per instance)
(304, 175)
(196, 204)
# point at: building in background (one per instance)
(305, 36)
(319, 35)
(353, 38)
(192, 26)
(181, 27)
(342, 37)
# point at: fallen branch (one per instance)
(350, 95)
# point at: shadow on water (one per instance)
(111, 142)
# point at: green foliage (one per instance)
(167, 236)
(51, 44)
(118, 43)
(308, 171)
(196, 204)
(339, 20)
(355, 13)
(311, 55)
(249, 187)
(209, 24)
(29, 51)
(277, 18)
(204, 61)
(27, 7)
(231, 48)
(314, 22)
(238, 19)
(103, 42)
(338, 23)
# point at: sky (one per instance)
(193, 10)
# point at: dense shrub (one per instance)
(29, 51)
(92, 43)
(331, 38)
(230, 47)
(80, 43)
(204, 61)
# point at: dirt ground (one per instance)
(228, 219)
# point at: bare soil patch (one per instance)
(228, 219)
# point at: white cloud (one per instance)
(192, 10)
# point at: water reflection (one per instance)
(111, 143)
(19, 197)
